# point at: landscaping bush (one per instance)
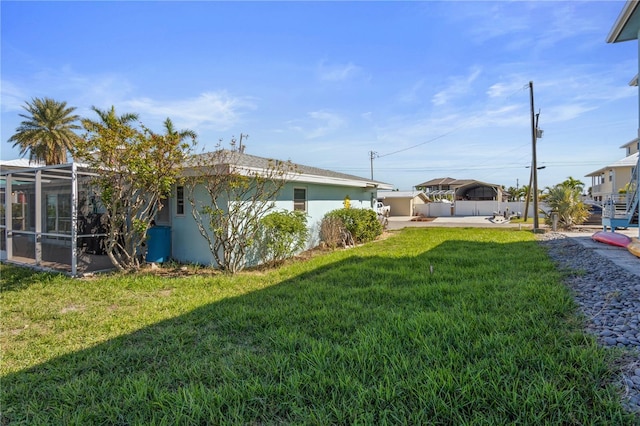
(331, 231)
(283, 235)
(362, 224)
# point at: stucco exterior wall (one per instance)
(188, 246)
(322, 199)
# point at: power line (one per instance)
(420, 144)
(440, 136)
(551, 164)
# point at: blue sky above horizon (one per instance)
(436, 89)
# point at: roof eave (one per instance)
(309, 178)
(631, 142)
(628, 9)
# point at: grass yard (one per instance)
(429, 326)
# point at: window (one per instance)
(180, 200)
(610, 175)
(164, 215)
(300, 199)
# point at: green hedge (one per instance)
(363, 224)
(283, 235)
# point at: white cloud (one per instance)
(367, 116)
(329, 122)
(317, 124)
(527, 24)
(504, 90)
(13, 97)
(338, 72)
(566, 112)
(64, 84)
(214, 109)
(412, 94)
(218, 110)
(458, 86)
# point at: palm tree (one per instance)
(47, 132)
(109, 119)
(181, 135)
(565, 201)
(120, 129)
(573, 183)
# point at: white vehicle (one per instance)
(381, 209)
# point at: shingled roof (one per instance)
(445, 181)
(303, 173)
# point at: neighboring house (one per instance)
(41, 226)
(616, 176)
(626, 28)
(403, 203)
(461, 189)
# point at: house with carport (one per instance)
(465, 197)
(461, 189)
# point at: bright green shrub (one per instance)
(283, 235)
(363, 224)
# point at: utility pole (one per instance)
(372, 155)
(528, 196)
(531, 175)
(241, 148)
(534, 163)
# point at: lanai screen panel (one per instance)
(3, 219)
(55, 220)
(22, 202)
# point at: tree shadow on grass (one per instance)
(364, 340)
(15, 278)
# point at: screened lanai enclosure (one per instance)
(51, 219)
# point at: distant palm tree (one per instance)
(573, 183)
(47, 131)
(119, 127)
(179, 135)
(109, 118)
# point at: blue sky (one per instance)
(434, 88)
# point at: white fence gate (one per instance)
(434, 209)
(474, 208)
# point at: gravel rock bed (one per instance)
(609, 297)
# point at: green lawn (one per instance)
(429, 326)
